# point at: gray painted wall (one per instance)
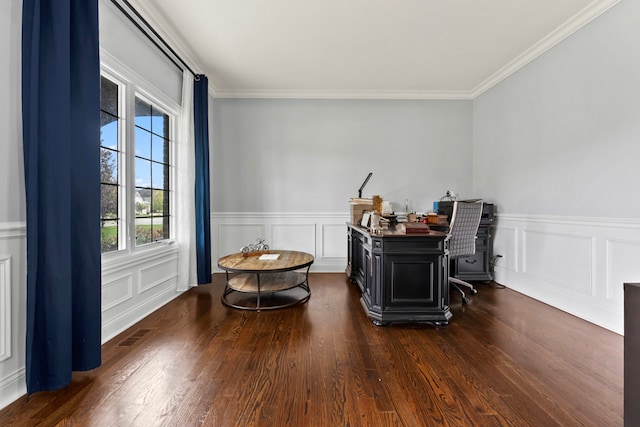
(12, 207)
(125, 42)
(562, 135)
(312, 155)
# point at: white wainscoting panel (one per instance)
(13, 324)
(229, 238)
(506, 239)
(294, 237)
(622, 266)
(322, 234)
(576, 264)
(544, 257)
(5, 307)
(333, 241)
(157, 274)
(116, 291)
(135, 285)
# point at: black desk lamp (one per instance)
(363, 184)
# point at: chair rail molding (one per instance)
(15, 229)
(576, 264)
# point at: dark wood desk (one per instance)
(402, 277)
(249, 278)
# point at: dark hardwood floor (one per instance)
(504, 360)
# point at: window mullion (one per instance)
(130, 170)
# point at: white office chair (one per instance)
(465, 221)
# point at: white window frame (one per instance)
(131, 85)
(122, 164)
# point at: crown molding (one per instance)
(582, 18)
(321, 94)
(573, 24)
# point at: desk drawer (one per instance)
(471, 264)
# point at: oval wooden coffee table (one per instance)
(272, 276)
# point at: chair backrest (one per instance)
(465, 221)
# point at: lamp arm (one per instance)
(363, 184)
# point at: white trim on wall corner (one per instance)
(586, 15)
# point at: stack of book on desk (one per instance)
(414, 227)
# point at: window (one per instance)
(152, 173)
(109, 165)
(135, 165)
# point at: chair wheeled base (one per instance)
(456, 283)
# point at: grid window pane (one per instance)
(108, 96)
(108, 166)
(159, 202)
(143, 173)
(109, 235)
(159, 172)
(108, 201)
(143, 231)
(160, 149)
(160, 227)
(143, 115)
(108, 130)
(143, 202)
(143, 143)
(159, 122)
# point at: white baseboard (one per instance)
(12, 387)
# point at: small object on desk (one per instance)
(437, 219)
(253, 249)
(377, 204)
(268, 257)
(414, 227)
(366, 218)
(392, 218)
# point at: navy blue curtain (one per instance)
(61, 133)
(203, 217)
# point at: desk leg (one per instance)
(305, 286)
(258, 300)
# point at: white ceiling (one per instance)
(424, 49)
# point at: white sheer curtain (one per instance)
(185, 202)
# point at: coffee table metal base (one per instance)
(280, 290)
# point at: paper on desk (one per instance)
(267, 257)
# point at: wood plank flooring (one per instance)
(504, 360)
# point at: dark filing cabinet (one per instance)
(478, 266)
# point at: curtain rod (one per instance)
(155, 33)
